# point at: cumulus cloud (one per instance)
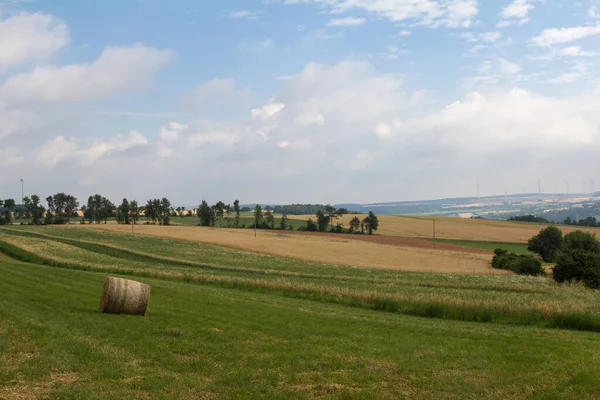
(116, 70)
(62, 149)
(244, 14)
(517, 12)
(576, 51)
(555, 36)
(172, 132)
(30, 37)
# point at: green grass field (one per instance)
(517, 248)
(224, 323)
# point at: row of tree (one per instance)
(301, 209)
(590, 222)
(6, 208)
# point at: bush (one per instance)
(49, 219)
(577, 265)
(500, 252)
(3, 221)
(519, 264)
(60, 220)
(338, 228)
(580, 240)
(546, 243)
(311, 226)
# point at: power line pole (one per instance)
(434, 234)
(22, 189)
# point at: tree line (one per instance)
(61, 208)
(590, 222)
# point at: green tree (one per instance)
(283, 224)
(322, 220)
(236, 208)
(333, 214)
(580, 240)
(33, 209)
(152, 210)
(258, 216)
(204, 214)
(219, 212)
(546, 243)
(62, 206)
(354, 225)
(134, 211)
(164, 211)
(9, 206)
(270, 219)
(577, 265)
(124, 211)
(371, 222)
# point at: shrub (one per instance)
(580, 240)
(2, 221)
(311, 226)
(500, 252)
(338, 228)
(49, 219)
(546, 243)
(577, 265)
(519, 264)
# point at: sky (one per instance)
(298, 101)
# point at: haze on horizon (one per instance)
(298, 101)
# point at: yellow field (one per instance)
(340, 251)
(456, 228)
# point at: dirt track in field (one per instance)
(397, 241)
(328, 249)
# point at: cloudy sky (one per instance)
(298, 100)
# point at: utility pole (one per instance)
(22, 190)
(434, 234)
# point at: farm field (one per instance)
(227, 323)
(330, 249)
(458, 228)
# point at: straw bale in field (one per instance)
(124, 296)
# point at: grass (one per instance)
(517, 248)
(505, 299)
(210, 342)
(244, 220)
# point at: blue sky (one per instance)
(298, 100)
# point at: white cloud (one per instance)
(593, 12)
(116, 70)
(10, 156)
(564, 35)
(61, 149)
(452, 14)
(171, 132)
(404, 33)
(268, 111)
(576, 51)
(486, 37)
(516, 12)
(348, 21)
(508, 67)
(30, 37)
(579, 70)
(313, 118)
(244, 14)
(221, 93)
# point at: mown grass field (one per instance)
(226, 323)
(517, 248)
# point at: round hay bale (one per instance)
(124, 296)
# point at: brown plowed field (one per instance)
(396, 241)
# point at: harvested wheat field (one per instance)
(456, 228)
(342, 250)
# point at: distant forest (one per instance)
(303, 209)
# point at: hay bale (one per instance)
(123, 296)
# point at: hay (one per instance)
(123, 296)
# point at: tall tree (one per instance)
(332, 212)
(164, 209)
(270, 219)
(258, 216)
(354, 225)
(34, 209)
(284, 222)
(371, 222)
(124, 211)
(236, 208)
(62, 206)
(9, 206)
(134, 211)
(322, 220)
(204, 213)
(219, 210)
